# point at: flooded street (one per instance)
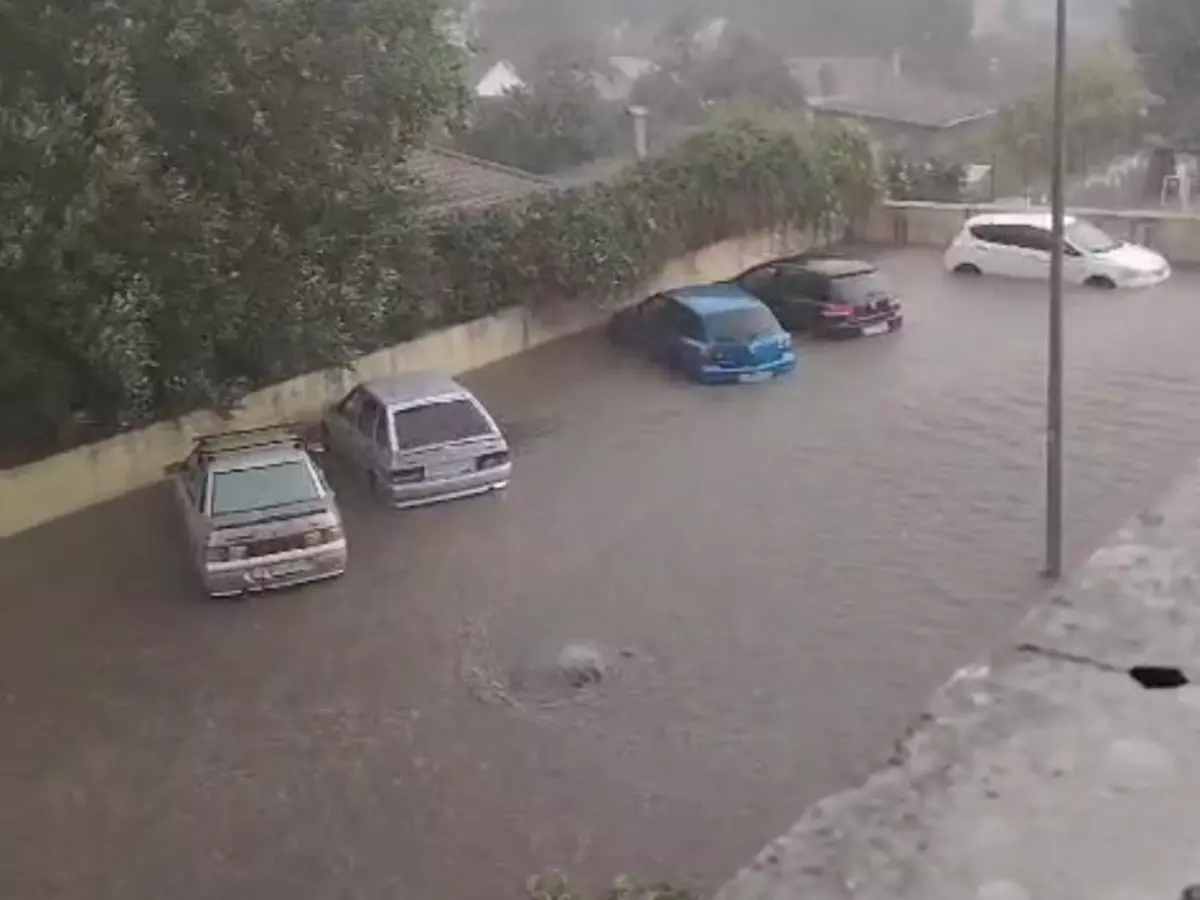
(778, 577)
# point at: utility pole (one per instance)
(1054, 381)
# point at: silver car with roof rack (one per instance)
(419, 438)
(258, 512)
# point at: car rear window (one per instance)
(263, 487)
(439, 423)
(744, 324)
(858, 288)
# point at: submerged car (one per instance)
(258, 512)
(714, 334)
(419, 438)
(1019, 245)
(825, 296)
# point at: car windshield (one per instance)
(1087, 238)
(263, 487)
(439, 423)
(740, 324)
(858, 288)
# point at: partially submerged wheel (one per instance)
(1101, 282)
(967, 269)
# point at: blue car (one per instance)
(714, 334)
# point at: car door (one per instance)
(996, 248)
(382, 450)
(651, 330)
(802, 297)
(1075, 266)
(343, 423)
(1031, 248)
(685, 341)
(762, 282)
(192, 486)
(366, 451)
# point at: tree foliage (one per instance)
(558, 121)
(583, 245)
(200, 195)
(1103, 100)
(1165, 34)
(742, 69)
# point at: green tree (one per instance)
(1102, 101)
(557, 122)
(1165, 34)
(202, 196)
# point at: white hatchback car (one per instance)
(1018, 244)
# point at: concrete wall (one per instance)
(1046, 772)
(67, 482)
(1175, 235)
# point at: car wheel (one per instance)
(967, 269)
(1101, 282)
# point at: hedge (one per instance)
(589, 244)
(583, 245)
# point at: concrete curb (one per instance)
(1046, 772)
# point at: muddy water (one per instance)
(777, 576)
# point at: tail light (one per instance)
(410, 475)
(492, 460)
(838, 311)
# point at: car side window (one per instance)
(383, 437)
(652, 309)
(991, 234)
(762, 277)
(1030, 237)
(801, 286)
(684, 322)
(368, 415)
(193, 481)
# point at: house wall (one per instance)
(964, 143)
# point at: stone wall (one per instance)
(1047, 772)
(39, 492)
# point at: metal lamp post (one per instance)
(1054, 381)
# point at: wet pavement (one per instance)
(778, 576)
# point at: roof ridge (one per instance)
(486, 164)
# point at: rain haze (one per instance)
(655, 620)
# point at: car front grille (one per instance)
(270, 546)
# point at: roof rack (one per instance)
(250, 438)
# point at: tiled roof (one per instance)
(908, 103)
(454, 181)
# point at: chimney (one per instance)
(897, 66)
(639, 114)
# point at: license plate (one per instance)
(753, 377)
(450, 471)
(872, 330)
(287, 569)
